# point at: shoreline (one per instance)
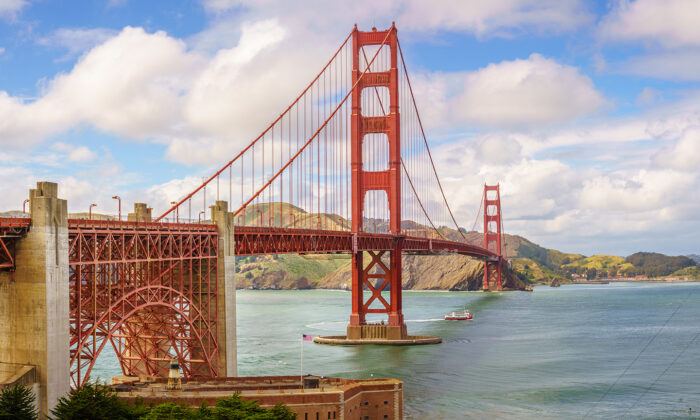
(637, 281)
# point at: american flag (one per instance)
(306, 337)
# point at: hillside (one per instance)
(444, 272)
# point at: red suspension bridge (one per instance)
(346, 168)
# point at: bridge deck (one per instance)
(251, 240)
(263, 240)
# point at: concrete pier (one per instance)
(34, 307)
(226, 285)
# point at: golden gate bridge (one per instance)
(346, 168)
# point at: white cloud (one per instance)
(498, 149)
(240, 82)
(10, 8)
(671, 23)
(81, 154)
(642, 191)
(683, 154)
(77, 40)
(537, 90)
(497, 16)
(131, 85)
(2, 50)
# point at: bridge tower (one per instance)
(387, 277)
(493, 236)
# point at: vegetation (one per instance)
(94, 401)
(540, 265)
(656, 265)
(17, 403)
(689, 272)
(98, 402)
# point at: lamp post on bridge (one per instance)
(24, 206)
(116, 197)
(199, 216)
(90, 210)
(177, 211)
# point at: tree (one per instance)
(591, 274)
(92, 401)
(169, 411)
(17, 403)
(234, 408)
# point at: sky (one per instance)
(586, 112)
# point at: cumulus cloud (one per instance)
(671, 23)
(131, 85)
(537, 90)
(641, 191)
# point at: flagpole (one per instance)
(301, 366)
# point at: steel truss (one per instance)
(11, 229)
(150, 289)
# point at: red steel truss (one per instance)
(493, 236)
(11, 229)
(150, 289)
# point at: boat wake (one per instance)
(424, 320)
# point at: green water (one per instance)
(553, 353)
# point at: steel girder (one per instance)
(150, 289)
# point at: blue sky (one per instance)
(586, 112)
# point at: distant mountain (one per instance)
(694, 257)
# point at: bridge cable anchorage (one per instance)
(261, 136)
(420, 123)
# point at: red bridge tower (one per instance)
(387, 277)
(493, 236)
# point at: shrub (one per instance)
(17, 402)
(92, 401)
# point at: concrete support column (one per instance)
(34, 307)
(142, 213)
(226, 282)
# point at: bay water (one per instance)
(621, 350)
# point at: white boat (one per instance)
(459, 316)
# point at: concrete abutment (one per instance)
(34, 306)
